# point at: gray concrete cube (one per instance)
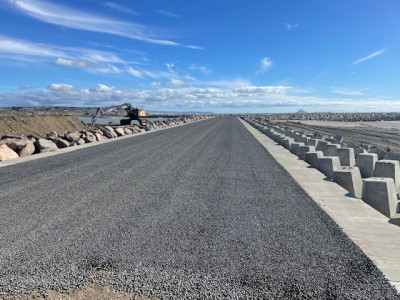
(380, 193)
(366, 163)
(313, 157)
(350, 179)
(388, 169)
(294, 148)
(328, 164)
(346, 156)
(331, 150)
(303, 150)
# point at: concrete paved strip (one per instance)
(198, 211)
(369, 229)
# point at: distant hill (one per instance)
(301, 111)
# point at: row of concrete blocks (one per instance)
(381, 178)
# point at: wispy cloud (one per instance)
(349, 92)
(202, 69)
(290, 25)
(265, 64)
(167, 13)
(376, 53)
(121, 8)
(71, 18)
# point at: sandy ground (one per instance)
(17, 125)
(384, 134)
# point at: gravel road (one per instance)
(193, 212)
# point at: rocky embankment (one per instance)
(12, 147)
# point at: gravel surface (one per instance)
(193, 212)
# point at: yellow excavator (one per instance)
(134, 114)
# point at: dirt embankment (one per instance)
(17, 125)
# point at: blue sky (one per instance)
(218, 56)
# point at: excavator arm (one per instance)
(132, 113)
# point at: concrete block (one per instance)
(357, 149)
(312, 142)
(321, 146)
(388, 169)
(287, 142)
(392, 156)
(328, 164)
(346, 156)
(338, 138)
(331, 150)
(366, 163)
(295, 147)
(380, 152)
(350, 179)
(380, 193)
(303, 150)
(313, 157)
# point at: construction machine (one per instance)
(133, 113)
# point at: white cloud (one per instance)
(60, 87)
(376, 53)
(9, 45)
(240, 99)
(70, 18)
(134, 72)
(203, 69)
(167, 13)
(175, 83)
(170, 66)
(121, 8)
(290, 25)
(151, 84)
(265, 64)
(349, 92)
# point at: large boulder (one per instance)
(61, 143)
(7, 153)
(43, 145)
(119, 131)
(52, 135)
(27, 150)
(72, 137)
(128, 131)
(14, 143)
(107, 133)
(90, 137)
(111, 130)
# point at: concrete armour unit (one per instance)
(312, 142)
(295, 147)
(357, 149)
(388, 169)
(331, 150)
(321, 146)
(366, 163)
(380, 152)
(287, 142)
(392, 156)
(346, 156)
(380, 193)
(350, 179)
(303, 150)
(328, 164)
(313, 157)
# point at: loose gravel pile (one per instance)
(199, 211)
